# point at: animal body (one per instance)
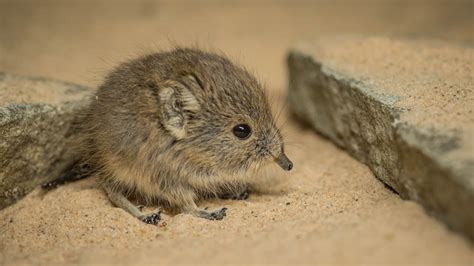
(175, 127)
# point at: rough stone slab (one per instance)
(405, 108)
(35, 118)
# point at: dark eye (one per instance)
(242, 131)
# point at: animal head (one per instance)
(219, 115)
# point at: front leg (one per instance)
(122, 202)
(217, 214)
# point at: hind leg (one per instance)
(77, 172)
(119, 200)
(217, 214)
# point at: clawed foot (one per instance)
(218, 214)
(152, 218)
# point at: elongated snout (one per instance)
(284, 162)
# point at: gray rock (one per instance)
(404, 108)
(35, 118)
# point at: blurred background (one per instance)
(79, 41)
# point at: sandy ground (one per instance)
(330, 209)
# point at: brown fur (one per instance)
(160, 127)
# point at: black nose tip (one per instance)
(284, 162)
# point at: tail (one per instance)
(77, 171)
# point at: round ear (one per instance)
(187, 97)
(175, 100)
